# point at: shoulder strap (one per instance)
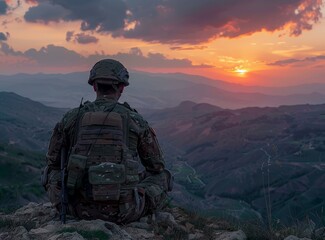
(75, 128)
(125, 104)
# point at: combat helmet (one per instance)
(109, 71)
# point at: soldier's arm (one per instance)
(51, 173)
(51, 179)
(60, 136)
(150, 152)
(156, 180)
(55, 145)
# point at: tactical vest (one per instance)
(101, 167)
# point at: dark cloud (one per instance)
(197, 21)
(46, 12)
(53, 56)
(4, 36)
(7, 50)
(3, 7)
(153, 60)
(284, 62)
(69, 35)
(180, 48)
(80, 38)
(85, 38)
(99, 15)
(292, 61)
(181, 21)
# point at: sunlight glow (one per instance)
(240, 71)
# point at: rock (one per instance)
(19, 233)
(309, 228)
(112, 230)
(67, 236)
(237, 235)
(291, 237)
(31, 216)
(35, 221)
(39, 231)
(137, 233)
(141, 225)
(320, 233)
(165, 218)
(189, 227)
(194, 236)
(40, 221)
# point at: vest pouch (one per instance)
(106, 179)
(132, 176)
(76, 170)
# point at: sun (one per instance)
(240, 71)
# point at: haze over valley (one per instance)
(157, 91)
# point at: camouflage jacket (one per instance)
(142, 138)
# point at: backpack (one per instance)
(101, 167)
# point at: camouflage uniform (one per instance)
(144, 192)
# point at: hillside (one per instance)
(26, 123)
(19, 177)
(270, 160)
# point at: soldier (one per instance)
(100, 145)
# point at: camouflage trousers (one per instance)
(148, 196)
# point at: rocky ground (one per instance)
(40, 221)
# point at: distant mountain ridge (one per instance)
(265, 157)
(158, 91)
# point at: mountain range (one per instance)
(249, 163)
(157, 91)
(269, 158)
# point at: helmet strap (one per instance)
(114, 86)
(95, 87)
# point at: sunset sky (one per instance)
(252, 42)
